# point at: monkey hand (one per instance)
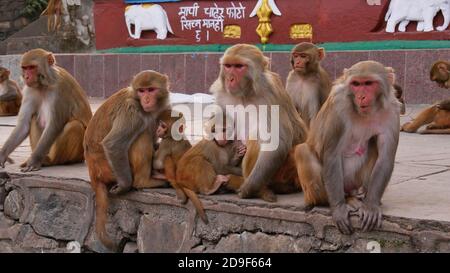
(3, 159)
(31, 165)
(247, 191)
(241, 150)
(370, 217)
(120, 188)
(340, 216)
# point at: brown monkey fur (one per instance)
(200, 168)
(399, 95)
(437, 116)
(54, 113)
(170, 150)
(348, 158)
(10, 96)
(245, 79)
(119, 142)
(308, 83)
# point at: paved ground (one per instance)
(420, 186)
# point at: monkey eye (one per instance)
(238, 66)
(141, 90)
(162, 124)
(369, 83)
(29, 67)
(355, 83)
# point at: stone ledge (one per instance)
(45, 213)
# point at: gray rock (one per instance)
(261, 242)
(131, 247)
(14, 205)
(160, 235)
(58, 214)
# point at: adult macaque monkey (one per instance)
(245, 80)
(10, 96)
(119, 142)
(54, 113)
(308, 83)
(348, 158)
(437, 116)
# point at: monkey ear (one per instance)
(51, 59)
(321, 52)
(442, 68)
(181, 128)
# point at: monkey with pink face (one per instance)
(348, 157)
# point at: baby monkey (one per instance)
(210, 165)
(172, 147)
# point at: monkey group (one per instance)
(337, 140)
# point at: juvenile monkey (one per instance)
(210, 164)
(348, 158)
(119, 142)
(308, 83)
(54, 113)
(172, 147)
(10, 96)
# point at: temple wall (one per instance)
(103, 74)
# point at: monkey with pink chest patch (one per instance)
(348, 158)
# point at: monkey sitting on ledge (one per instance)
(209, 165)
(10, 96)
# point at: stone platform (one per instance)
(45, 211)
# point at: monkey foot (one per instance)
(117, 190)
(268, 196)
(406, 128)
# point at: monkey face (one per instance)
(161, 131)
(300, 61)
(4, 74)
(220, 136)
(30, 74)
(148, 98)
(364, 90)
(235, 77)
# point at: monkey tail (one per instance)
(101, 209)
(197, 204)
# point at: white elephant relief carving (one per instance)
(147, 17)
(422, 11)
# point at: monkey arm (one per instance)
(382, 171)
(444, 105)
(333, 177)
(126, 127)
(8, 96)
(161, 154)
(225, 170)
